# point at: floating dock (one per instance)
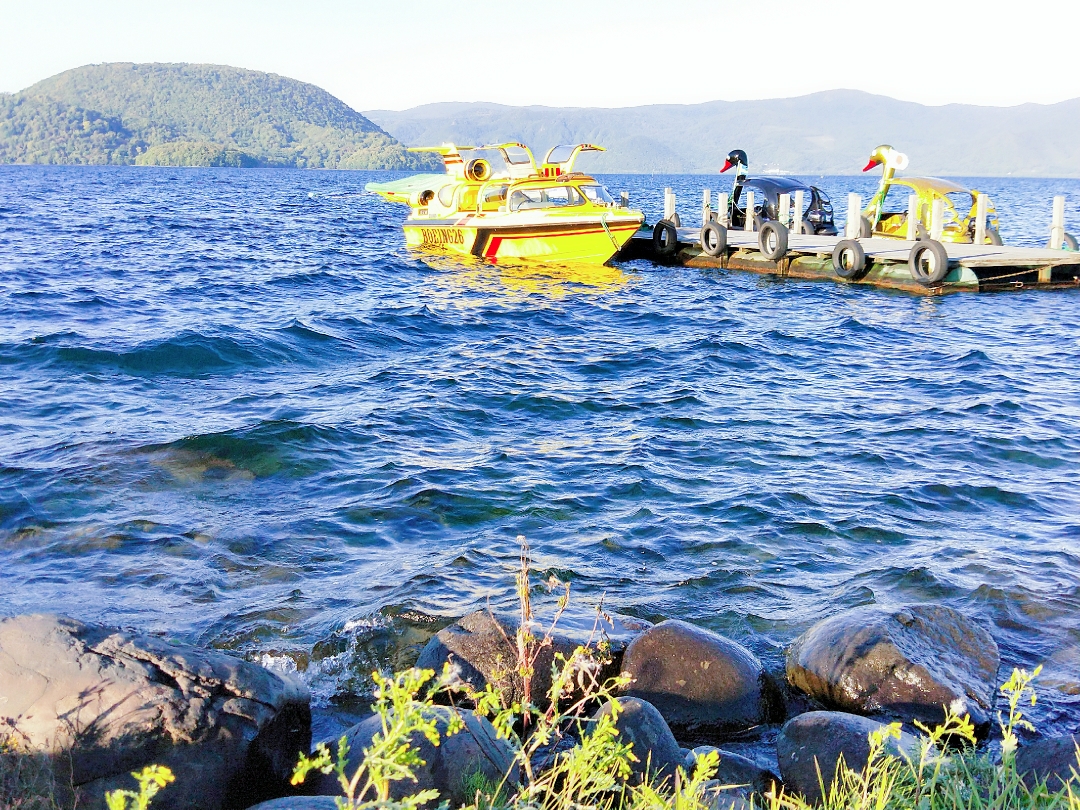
(972, 268)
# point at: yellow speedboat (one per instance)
(521, 212)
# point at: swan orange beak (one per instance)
(871, 165)
(727, 165)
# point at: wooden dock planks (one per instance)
(974, 267)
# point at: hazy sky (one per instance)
(396, 54)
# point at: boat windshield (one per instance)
(554, 197)
(598, 194)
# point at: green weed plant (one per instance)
(944, 772)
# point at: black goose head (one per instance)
(736, 157)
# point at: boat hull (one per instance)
(590, 241)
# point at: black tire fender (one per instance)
(849, 259)
(993, 236)
(865, 229)
(759, 220)
(773, 240)
(713, 238)
(928, 262)
(1070, 242)
(807, 227)
(665, 239)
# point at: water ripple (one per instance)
(238, 411)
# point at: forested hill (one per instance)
(191, 115)
(824, 133)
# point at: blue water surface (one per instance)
(236, 411)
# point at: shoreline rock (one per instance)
(476, 748)
(1052, 759)
(907, 663)
(480, 646)
(640, 724)
(106, 701)
(817, 740)
(701, 682)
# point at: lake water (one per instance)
(236, 411)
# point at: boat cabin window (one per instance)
(524, 199)
(564, 196)
(517, 156)
(598, 194)
(560, 154)
(446, 195)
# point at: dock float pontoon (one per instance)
(936, 268)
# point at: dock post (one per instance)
(912, 217)
(669, 204)
(783, 209)
(980, 219)
(1057, 224)
(748, 223)
(796, 215)
(854, 216)
(937, 220)
(706, 207)
(721, 208)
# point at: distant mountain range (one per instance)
(823, 133)
(213, 115)
(191, 115)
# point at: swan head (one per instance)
(885, 154)
(736, 157)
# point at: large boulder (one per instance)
(814, 742)
(640, 724)
(476, 749)
(701, 682)
(908, 663)
(481, 648)
(107, 702)
(1053, 760)
(747, 777)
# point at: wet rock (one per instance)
(907, 663)
(735, 769)
(475, 749)
(298, 803)
(700, 681)
(545, 756)
(1053, 759)
(641, 725)
(818, 739)
(719, 799)
(109, 701)
(481, 648)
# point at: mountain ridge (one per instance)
(829, 132)
(190, 114)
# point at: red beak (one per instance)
(871, 165)
(727, 165)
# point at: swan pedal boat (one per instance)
(548, 214)
(960, 204)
